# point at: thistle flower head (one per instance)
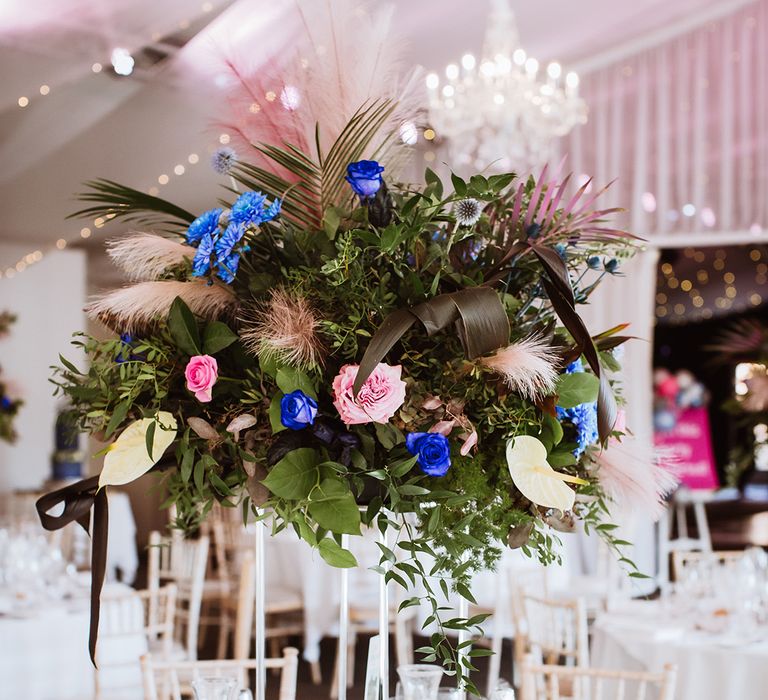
(467, 211)
(285, 327)
(223, 159)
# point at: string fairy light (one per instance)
(35, 256)
(700, 285)
(24, 101)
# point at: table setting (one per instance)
(44, 619)
(712, 623)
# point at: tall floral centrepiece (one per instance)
(327, 337)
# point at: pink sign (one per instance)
(689, 449)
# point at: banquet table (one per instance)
(730, 663)
(45, 651)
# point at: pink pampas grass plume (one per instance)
(527, 366)
(285, 328)
(631, 482)
(327, 60)
(136, 308)
(146, 256)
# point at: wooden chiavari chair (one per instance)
(511, 583)
(552, 682)
(143, 617)
(555, 630)
(165, 680)
(183, 562)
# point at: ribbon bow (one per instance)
(78, 499)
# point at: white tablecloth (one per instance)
(44, 656)
(647, 635)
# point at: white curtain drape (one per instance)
(682, 125)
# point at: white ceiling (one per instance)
(137, 128)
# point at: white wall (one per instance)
(48, 299)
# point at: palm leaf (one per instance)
(745, 339)
(310, 185)
(112, 200)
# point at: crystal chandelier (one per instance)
(496, 113)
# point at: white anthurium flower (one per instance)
(127, 458)
(535, 478)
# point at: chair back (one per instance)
(126, 630)
(550, 682)
(183, 562)
(230, 538)
(169, 680)
(557, 629)
(246, 592)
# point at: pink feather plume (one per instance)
(631, 482)
(323, 61)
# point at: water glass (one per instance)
(419, 681)
(214, 688)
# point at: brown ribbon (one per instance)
(78, 499)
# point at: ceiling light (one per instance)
(122, 61)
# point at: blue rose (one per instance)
(365, 177)
(297, 410)
(205, 224)
(432, 450)
(6, 403)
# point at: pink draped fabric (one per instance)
(684, 127)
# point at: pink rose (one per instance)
(202, 372)
(381, 395)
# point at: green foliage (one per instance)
(577, 388)
(463, 284)
(112, 200)
(183, 328)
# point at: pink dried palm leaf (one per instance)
(137, 308)
(632, 483)
(527, 366)
(517, 203)
(534, 201)
(286, 328)
(745, 339)
(336, 56)
(561, 188)
(147, 256)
